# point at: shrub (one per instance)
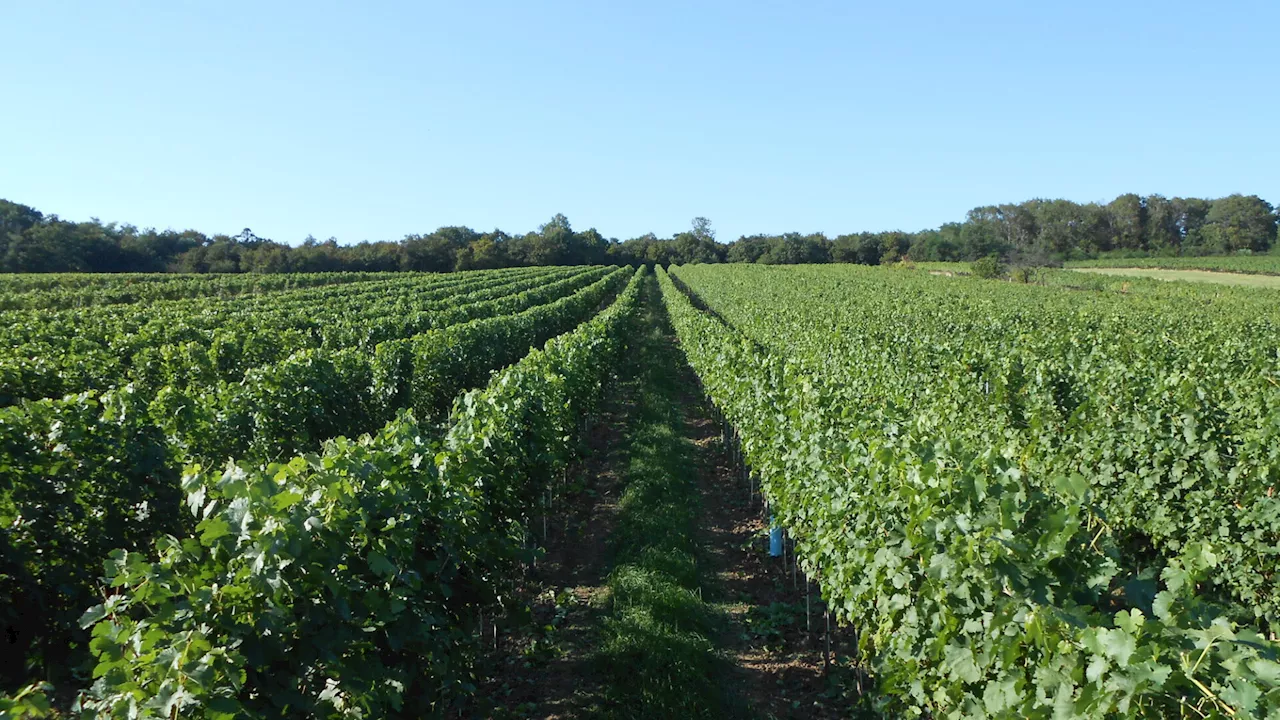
(987, 268)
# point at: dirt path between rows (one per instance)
(774, 640)
(544, 672)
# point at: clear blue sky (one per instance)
(373, 120)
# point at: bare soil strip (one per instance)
(1222, 278)
(544, 669)
(775, 639)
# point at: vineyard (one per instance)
(1029, 502)
(549, 492)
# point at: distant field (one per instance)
(1100, 278)
(1237, 270)
(944, 267)
(1250, 264)
(1224, 278)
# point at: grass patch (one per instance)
(657, 656)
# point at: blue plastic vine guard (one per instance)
(775, 538)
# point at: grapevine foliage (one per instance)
(987, 577)
(349, 583)
(99, 471)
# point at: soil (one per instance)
(781, 672)
(544, 672)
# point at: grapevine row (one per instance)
(346, 584)
(95, 472)
(50, 291)
(1172, 426)
(978, 590)
(150, 351)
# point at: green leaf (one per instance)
(1000, 695)
(1242, 695)
(381, 566)
(285, 499)
(1117, 644)
(960, 664)
(1073, 486)
(1267, 671)
(92, 615)
(213, 529)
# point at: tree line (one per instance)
(1035, 231)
